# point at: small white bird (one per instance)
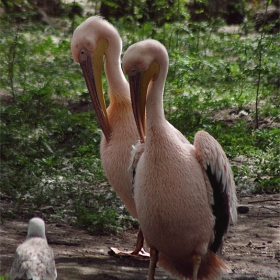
(34, 259)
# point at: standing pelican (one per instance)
(34, 258)
(92, 40)
(184, 193)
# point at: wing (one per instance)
(16, 271)
(136, 153)
(178, 133)
(213, 160)
(34, 259)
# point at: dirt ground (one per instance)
(251, 248)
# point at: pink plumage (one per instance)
(179, 188)
(116, 146)
(93, 40)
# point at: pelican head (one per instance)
(89, 45)
(142, 63)
(36, 228)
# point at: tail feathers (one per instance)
(212, 267)
(169, 267)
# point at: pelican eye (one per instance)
(133, 71)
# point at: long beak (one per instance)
(138, 100)
(139, 83)
(91, 65)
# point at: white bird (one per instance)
(184, 193)
(34, 259)
(93, 40)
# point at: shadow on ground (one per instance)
(251, 248)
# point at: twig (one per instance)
(266, 200)
(270, 209)
(11, 63)
(259, 66)
(273, 121)
(273, 226)
(263, 216)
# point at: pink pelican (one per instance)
(34, 258)
(184, 193)
(92, 40)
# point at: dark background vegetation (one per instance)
(223, 78)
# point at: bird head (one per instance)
(141, 64)
(36, 228)
(89, 45)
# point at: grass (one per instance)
(50, 161)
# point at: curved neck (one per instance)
(154, 108)
(118, 87)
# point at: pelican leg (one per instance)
(196, 263)
(139, 243)
(153, 263)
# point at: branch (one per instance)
(266, 200)
(270, 209)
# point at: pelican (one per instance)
(34, 258)
(184, 193)
(92, 40)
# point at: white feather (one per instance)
(34, 259)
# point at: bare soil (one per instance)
(251, 248)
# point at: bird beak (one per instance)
(139, 83)
(138, 103)
(91, 64)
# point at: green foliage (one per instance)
(26, 11)
(101, 215)
(50, 144)
(257, 150)
(212, 71)
(139, 12)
